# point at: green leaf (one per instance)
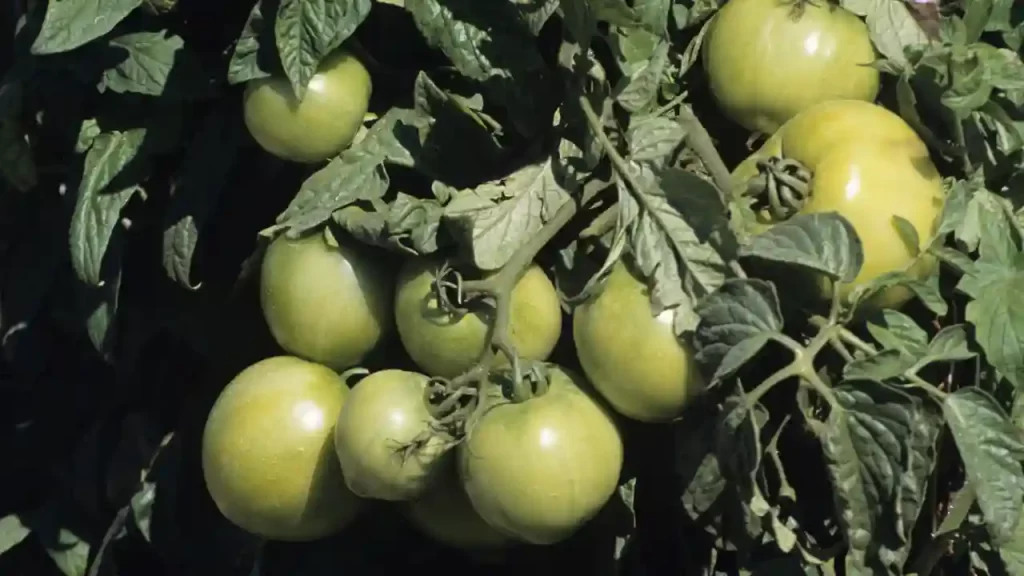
(492, 45)
(653, 138)
(249, 59)
(992, 450)
(870, 463)
(997, 313)
(736, 321)
(69, 24)
(950, 344)
(12, 532)
(98, 306)
(307, 31)
(494, 219)
(672, 221)
(104, 190)
(881, 366)
(825, 243)
(697, 462)
(638, 89)
(357, 174)
(895, 330)
(156, 64)
(203, 174)
(891, 24)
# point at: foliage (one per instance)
(135, 209)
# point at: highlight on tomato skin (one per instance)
(768, 60)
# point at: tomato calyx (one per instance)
(782, 187)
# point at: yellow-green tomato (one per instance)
(632, 357)
(868, 165)
(374, 435)
(446, 345)
(325, 300)
(320, 125)
(540, 469)
(267, 451)
(766, 61)
(445, 514)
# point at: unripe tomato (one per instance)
(268, 456)
(325, 300)
(447, 345)
(632, 357)
(765, 63)
(868, 165)
(384, 413)
(319, 126)
(445, 514)
(541, 468)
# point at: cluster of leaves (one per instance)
(131, 207)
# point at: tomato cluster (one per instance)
(290, 450)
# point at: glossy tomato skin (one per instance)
(319, 126)
(324, 300)
(267, 452)
(540, 469)
(444, 514)
(447, 345)
(868, 165)
(384, 413)
(764, 65)
(633, 358)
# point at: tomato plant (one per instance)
(767, 60)
(377, 437)
(305, 287)
(445, 514)
(866, 164)
(267, 451)
(541, 466)
(444, 340)
(633, 358)
(324, 299)
(320, 124)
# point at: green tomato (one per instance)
(868, 165)
(383, 415)
(540, 469)
(447, 345)
(267, 451)
(319, 126)
(765, 63)
(633, 358)
(445, 514)
(325, 300)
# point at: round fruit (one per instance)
(767, 60)
(324, 300)
(540, 469)
(445, 514)
(268, 459)
(868, 165)
(447, 345)
(383, 415)
(319, 126)
(632, 357)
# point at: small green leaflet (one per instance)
(155, 64)
(98, 208)
(69, 24)
(307, 31)
(245, 62)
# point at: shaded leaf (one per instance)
(825, 242)
(69, 24)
